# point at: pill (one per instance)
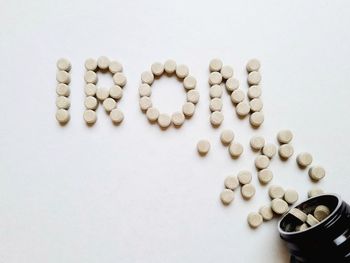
(316, 173)
(109, 104)
(304, 159)
(279, 206)
(157, 69)
(117, 116)
(177, 118)
(265, 176)
(192, 96)
(62, 77)
(215, 91)
(90, 77)
(147, 77)
(103, 62)
(235, 149)
(248, 191)
(115, 66)
(189, 82)
(116, 92)
(254, 92)
(257, 142)
(254, 78)
(215, 104)
(91, 64)
(203, 147)
(276, 191)
(170, 66)
(285, 151)
(254, 219)
(232, 84)
(102, 93)
(90, 103)
(298, 214)
(242, 109)
(301, 227)
(227, 196)
(182, 71)
(266, 212)
(253, 65)
(62, 90)
(256, 119)
(284, 136)
(269, 150)
(145, 90)
(237, 96)
(63, 64)
(119, 79)
(90, 116)
(256, 104)
(261, 162)
(164, 120)
(62, 102)
(145, 103)
(152, 114)
(244, 177)
(188, 109)
(227, 136)
(315, 192)
(90, 89)
(291, 196)
(321, 212)
(226, 72)
(231, 182)
(215, 64)
(216, 118)
(62, 116)
(215, 78)
(311, 220)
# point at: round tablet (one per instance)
(170, 66)
(109, 104)
(232, 84)
(298, 214)
(231, 182)
(279, 206)
(254, 219)
(90, 89)
(216, 118)
(116, 115)
(254, 92)
(62, 102)
(266, 212)
(115, 66)
(103, 62)
(63, 64)
(215, 91)
(242, 108)
(256, 119)
(262, 162)
(257, 143)
(254, 78)
(102, 93)
(182, 71)
(178, 118)
(91, 64)
(304, 159)
(291, 196)
(227, 196)
(152, 114)
(147, 77)
(62, 77)
(145, 103)
(145, 90)
(311, 220)
(119, 79)
(192, 96)
(321, 212)
(235, 149)
(226, 72)
(62, 90)
(265, 176)
(227, 136)
(253, 65)
(188, 109)
(90, 103)
(315, 192)
(237, 96)
(286, 151)
(276, 191)
(284, 136)
(316, 173)
(116, 92)
(90, 77)
(301, 227)
(164, 120)
(157, 69)
(215, 78)
(244, 177)
(215, 104)
(256, 104)
(62, 116)
(269, 150)
(90, 116)
(215, 64)
(203, 147)
(189, 82)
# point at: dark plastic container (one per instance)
(328, 241)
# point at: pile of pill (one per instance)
(63, 90)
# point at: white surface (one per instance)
(134, 193)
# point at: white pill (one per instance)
(254, 92)
(203, 147)
(63, 64)
(242, 109)
(102, 93)
(62, 90)
(285, 151)
(269, 150)
(298, 214)
(316, 173)
(254, 78)
(190, 82)
(109, 104)
(147, 77)
(116, 92)
(304, 159)
(188, 109)
(321, 212)
(284, 136)
(256, 119)
(237, 96)
(266, 212)
(291, 196)
(216, 118)
(227, 196)
(279, 206)
(227, 136)
(244, 177)
(215, 91)
(232, 84)
(265, 176)
(170, 66)
(215, 78)
(152, 114)
(115, 66)
(276, 191)
(178, 118)
(231, 182)
(215, 104)
(90, 103)
(119, 79)
(91, 64)
(315, 192)
(257, 142)
(90, 77)
(145, 103)
(157, 69)
(254, 219)
(311, 220)
(256, 104)
(164, 120)
(262, 162)
(215, 64)
(62, 116)
(182, 71)
(253, 65)
(90, 116)
(192, 96)
(90, 89)
(145, 90)
(103, 62)
(235, 149)
(226, 72)
(62, 102)
(62, 77)
(301, 227)
(117, 116)
(248, 191)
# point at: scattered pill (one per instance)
(147, 77)
(145, 103)
(182, 71)
(102, 94)
(232, 84)
(216, 118)
(256, 104)
(90, 77)
(266, 212)
(257, 143)
(90, 116)
(145, 90)
(262, 162)
(63, 64)
(90, 89)
(298, 214)
(304, 159)
(254, 92)
(62, 116)
(279, 206)
(178, 118)
(248, 191)
(215, 91)
(215, 104)
(269, 150)
(119, 79)
(189, 82)
(227, 136)
(103, 62)
(244, 177)
(203, 147)
(301, 227)
(311, 220)
(254, 78)
(256, 119)
(109, 104)
(62, 102)
(285, 151)
(253, 65)
(63, 77)
(164, 120)
(215, 78)
(115, 66)
(157, 68)
(170, 66)
(215, 64)
(62, 90)
(227, 196)
(188, 109)
(265, 176)
(152, 114)
(91, 64)
(235, 149)
(90, 103)
(284, 136)
(254, 219)
(116, 92)
(321, 212)
(291, 196)
(226, 72)
(316, 173)
(242, 109)
(231, 182)
(315, 192)
(276, 191)
(117, 116)
(192, 96)
(237, 96)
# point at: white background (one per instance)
(134, 193)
